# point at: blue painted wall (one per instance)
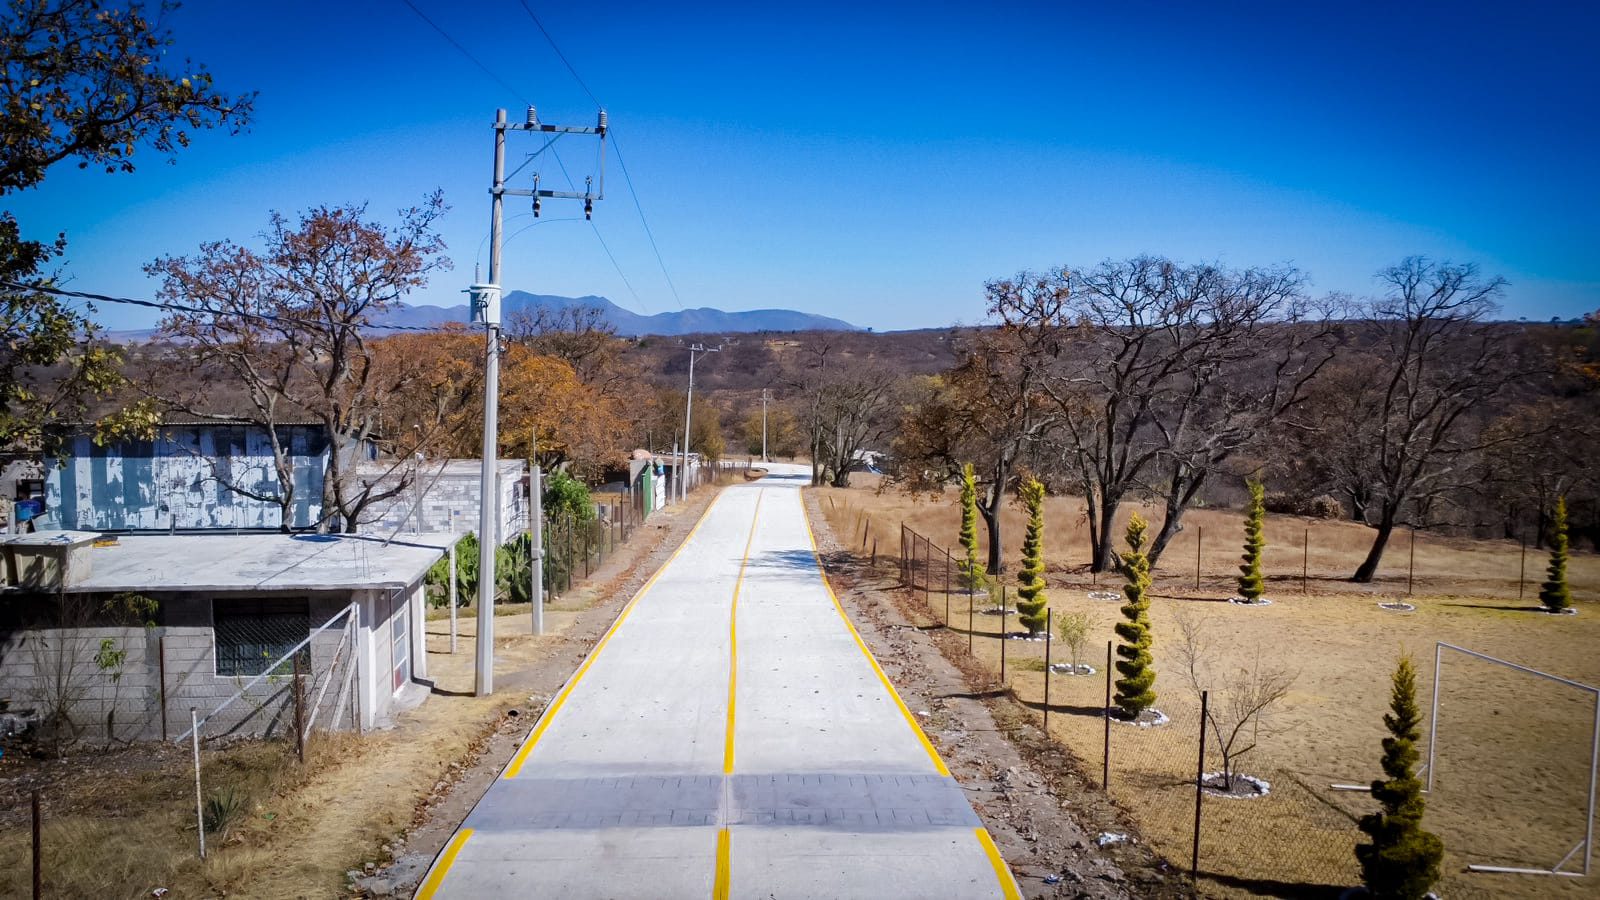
(180, 480)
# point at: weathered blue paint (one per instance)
(181, 480)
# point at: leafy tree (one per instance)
(1031, 599)
(1402, 861)
(971, 570)
(1136, 688)
(1074, 627)
(1251, 584)
(90, 84)
(1554, 593)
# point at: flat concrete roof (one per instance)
(231, 562)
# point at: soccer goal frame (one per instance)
(1587, 844)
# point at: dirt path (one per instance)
(1032, 796)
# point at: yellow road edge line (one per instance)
(1002, 872)
(933, 754)
(733, 637)
(720, 887)
(515, 766)
(442, 867)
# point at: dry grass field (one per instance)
(1512, 771)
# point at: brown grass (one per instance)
(1514, 751)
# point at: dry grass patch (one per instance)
(1512, 775)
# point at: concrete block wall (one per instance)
(44, 667)
(447, 496)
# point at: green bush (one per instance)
(1554, 593)
(436, 583)
(1251, 584)
(567, 496)
(972, 575)
(1402, 861)
(1136, 688)
(1031, 599)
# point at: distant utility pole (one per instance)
(688, 406)
(486, 309)
(765, 396)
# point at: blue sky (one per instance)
(879, 162)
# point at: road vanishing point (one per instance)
(729, 737)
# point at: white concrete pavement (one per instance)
(730, 737)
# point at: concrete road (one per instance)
(730, 737)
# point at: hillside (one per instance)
(631, 324)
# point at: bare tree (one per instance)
(1239, 698)
(289, 323)
(990, 409)
(849, 406)
(1175, 369)
(1396, 432)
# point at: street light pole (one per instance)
(688, 407)
(765, 396)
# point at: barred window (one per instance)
(251, 634)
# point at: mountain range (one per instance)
(628, 324)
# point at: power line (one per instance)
(183, 308)
(562, 56)
(465, 52)
(617, 267)
(626, 178)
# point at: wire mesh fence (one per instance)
(1244, 819)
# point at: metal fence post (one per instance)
(1305, 563)
(1411, 568)
(299, 695)
(947, 588)
(38, 869)
(1003, 611)
(1105, 754)
(1199, 538)
(972, 624)
(1199, 787)
(161, 684)
(1522, 568)
(199, 804)
(1049, 631)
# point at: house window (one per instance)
(252, 634)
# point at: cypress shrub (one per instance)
(1554, 593)
(971, 572)
(1136, 688)
(1031, 600)
(1251, 584)
(1402, 861)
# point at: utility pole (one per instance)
(765, 396)
(688, 406)
(486, 309)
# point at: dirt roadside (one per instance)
(522, 693)
(1035, 798)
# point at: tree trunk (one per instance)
(1105, 554)
(1369, 567)
(1170, 526)
(990, 511)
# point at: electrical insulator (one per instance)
(602, 120)
(536, 207)
(533, 115)
(588, 209)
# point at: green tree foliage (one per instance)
(88, 83)
(1031, 599)
(1251, 584)
(1136, 688)
(971, 570)
(513, 570)
(1554, 593)
(1402, 861)
(567, 497)
(437, 580)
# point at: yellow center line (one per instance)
(733, 638)
(550, 711)
(719, 888)
(446, 860)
